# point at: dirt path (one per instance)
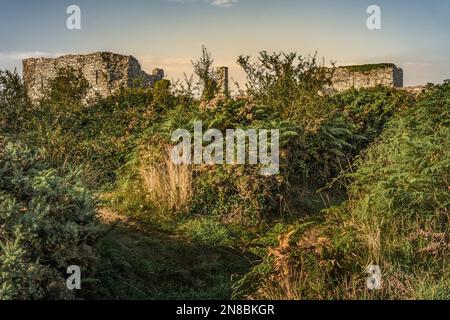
(142, 262)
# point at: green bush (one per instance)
(14, 105)
(320, 137)
(376, 159)
(397, 217)
(47, 223)
(98, 134)
(355, 119)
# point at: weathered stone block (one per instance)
(366, 76)
(106, 73)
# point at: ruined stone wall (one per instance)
(106, 73)
(222, 81)
(366, 76)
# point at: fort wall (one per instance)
(106, 73)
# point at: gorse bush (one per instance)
(47, 223)
(14, 104)
(235, 194)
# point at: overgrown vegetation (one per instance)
(364, 180)
(47, 223)
(396, 217)
(368, 67)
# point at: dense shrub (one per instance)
(233, 194)
(397, 217)
(288, 84)
(376, 159)
(47, 223)
(320, 136)
(355, 119)
(98, 134)
(14, 104)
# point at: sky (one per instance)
(414, 34)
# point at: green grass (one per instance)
(378, 156)
(141, 262)
(397, 217)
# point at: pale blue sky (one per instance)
(415, 34)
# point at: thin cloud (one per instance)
(215, 3)
(223, 3)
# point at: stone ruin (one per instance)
(366, 76)
(223, 90)
(222, 81)
(343, 78)
(106, 73)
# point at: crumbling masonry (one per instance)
(345, 78)
(106, 73)
(366, 76)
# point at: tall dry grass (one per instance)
(168, 186)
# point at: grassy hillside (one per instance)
(364, 180)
